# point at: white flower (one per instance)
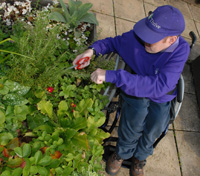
(28, 1)
(8, 22)
(2, 5)
(75, 51)
(55, 2)
(23, 4)
(29, 23)
(64, 39)
(6, 13)
(24, 11)
(10, 8)
(66, 33)
(58, 37)
(17, 3)
(45, 9)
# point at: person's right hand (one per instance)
(87, 53)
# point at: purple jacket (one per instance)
(156, 74)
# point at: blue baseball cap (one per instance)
(164, 21)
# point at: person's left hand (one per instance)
(98, 76)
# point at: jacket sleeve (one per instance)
(153, 86)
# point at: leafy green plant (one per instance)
(75, 14)
(49, 116)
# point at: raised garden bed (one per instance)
(49, 115)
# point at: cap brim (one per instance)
(145, 33)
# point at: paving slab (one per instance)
(189, 26)
(101, 6)
(123, 26)
(189, 151)
(156, 2)
(193, 2)
(188, 80)
(195, 52)
(195, 12)
(182, 6)
(164, 161)
(106, 28)
(132, 10)
(198, 28)
(149, 7)
(188, 118)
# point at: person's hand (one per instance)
(87, 53)
(98, 76)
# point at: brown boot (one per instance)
(113, 164)
(137, 167)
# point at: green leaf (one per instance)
(36, 120)
(81, 140)
(4, 89)
(18, 151)
(73, 6)
(6, 173)
(13, 144)
(79, 123)
(2, 117)
(56, 16)
(90, 18)
(38, 157)
(68, 170)
(17, 88)
(68, 91)
(39, 93)
(34, 170)
(83, 9)
(66, 12)
(14, 99)
(17, 172)
(54, 163)
(45, 161)
(26, 169)
(46, 107)
(43, 171)
(26, 150)
(69, 157)
(46, 128)
(21, 111)
(69, 133)
(84, 104)
(62, 108)
(5, 138)
(14, 162)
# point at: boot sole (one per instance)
(111, 173)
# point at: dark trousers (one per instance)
(142, 121)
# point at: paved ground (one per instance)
(178, 154)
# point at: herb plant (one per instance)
(75, 14)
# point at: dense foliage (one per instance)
(49, 115)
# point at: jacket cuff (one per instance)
(111, 76)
